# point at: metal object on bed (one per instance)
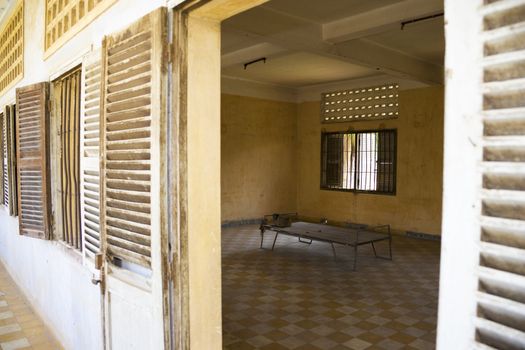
(352, 235)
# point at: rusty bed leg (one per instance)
(262, 237)
(275, 239)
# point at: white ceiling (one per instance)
(322, 11)
(299, 69)
(310, 42)
(424, 40)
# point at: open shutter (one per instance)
(32, 130)
(132, 144)
(5, 157)
(333, 160)
(2, 158)
(90, 154)
(134, 179)
(9, 160)
(12, 164)
(500, 321)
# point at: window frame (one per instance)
(356, 132)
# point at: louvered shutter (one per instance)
(133, 119)
(500, 321)
(5, 156)
(32, 130)
(90, 154)
(12, 164)
(9, 160)
(3, 160)
(333, 159)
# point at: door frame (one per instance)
(194, 172)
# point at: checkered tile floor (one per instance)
(299, 297)
(20, 327)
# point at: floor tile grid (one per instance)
(20, 327)
(299, 297)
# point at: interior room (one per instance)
(293, 143)
(262, 174)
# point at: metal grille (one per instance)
(363, 161)
(69, 89)
(368, 103)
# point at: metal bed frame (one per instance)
(306, 232)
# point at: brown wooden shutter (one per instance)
(32, 131)
(386, 158)
(333, 160)
(134, 125)
(90, 154)
(500, 321)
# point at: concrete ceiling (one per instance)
(313, 42)
(298, 69)
(424, 40)
(326, 10)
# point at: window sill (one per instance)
(390, 194)
(68, 250)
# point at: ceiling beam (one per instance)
(379, 20)
(390, 61)
(308, 37)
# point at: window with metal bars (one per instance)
(67, 98)
(361, 161)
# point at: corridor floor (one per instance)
(20, 327)
(299, 297)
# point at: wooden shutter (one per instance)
(134, 122)
(5, 157)
(2, 159)
(9, 159)
(386, 158)
(90, 154)
(500, 321)
(333, 160)
(12, 162)
(32, 131)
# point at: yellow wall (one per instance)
(258, 165)
(417, 203)
(271, 163)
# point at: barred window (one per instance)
(66, 92)
(363, 161)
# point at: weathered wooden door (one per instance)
(133, 177)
